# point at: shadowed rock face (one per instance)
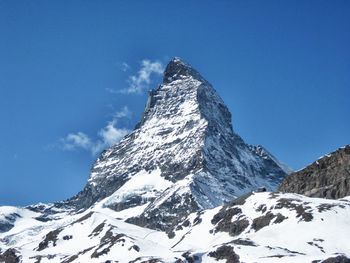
(338, 259)
(328, 177)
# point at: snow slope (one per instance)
(258, 227)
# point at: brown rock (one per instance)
(225, 252)
(328, 177)
(10, 256)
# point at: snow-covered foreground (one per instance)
(258, 227)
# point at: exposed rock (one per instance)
(262, 221)
(328, 177)
(5, 226)
(338, 259)
(225, 252)
(280, 218)
(146, 260)
(83, 218)
(302, 210)
(106, 243)
(244, 242)
(190, 258)
(234, 228)
(6, 223)
(70, 259)
(50, 237)
(10, 256)
(261, 151)
(67, 237)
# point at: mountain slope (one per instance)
(258, 227)
(328, 177)
(183, 156)
(261, 151)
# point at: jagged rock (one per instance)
(10, 256)
(338, 259)
(225, 252)
(51, 237)
(328, 177)
(261, 151)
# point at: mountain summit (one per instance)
(183, 156)
(179, 69)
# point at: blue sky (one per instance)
(74, 77)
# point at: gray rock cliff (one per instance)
(328, 177)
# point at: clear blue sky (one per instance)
(282, 68)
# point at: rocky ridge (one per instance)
(328, 177)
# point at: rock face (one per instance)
(181, 157)
(262, 152)
(328, 177)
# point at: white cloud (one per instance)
(108, 136)
(125, 112)
(139, 82)
(124, 66)
(77, 140)
(113, 91)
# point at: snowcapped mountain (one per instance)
(183, 156)
(164, 194)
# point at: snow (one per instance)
(144, 184)
(332, 226)
(296, 240)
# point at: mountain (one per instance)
(183, 156)
(164, 194)
(328, 177)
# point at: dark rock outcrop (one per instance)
(338, 259)
(328, 177)
(7, 222)
(10, 256)
(225, 252)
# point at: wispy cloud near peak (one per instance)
(108, 136)
(140, 81)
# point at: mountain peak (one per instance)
(179, 69)
(183, 156)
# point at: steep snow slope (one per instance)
(258, 227)
(183, 156)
